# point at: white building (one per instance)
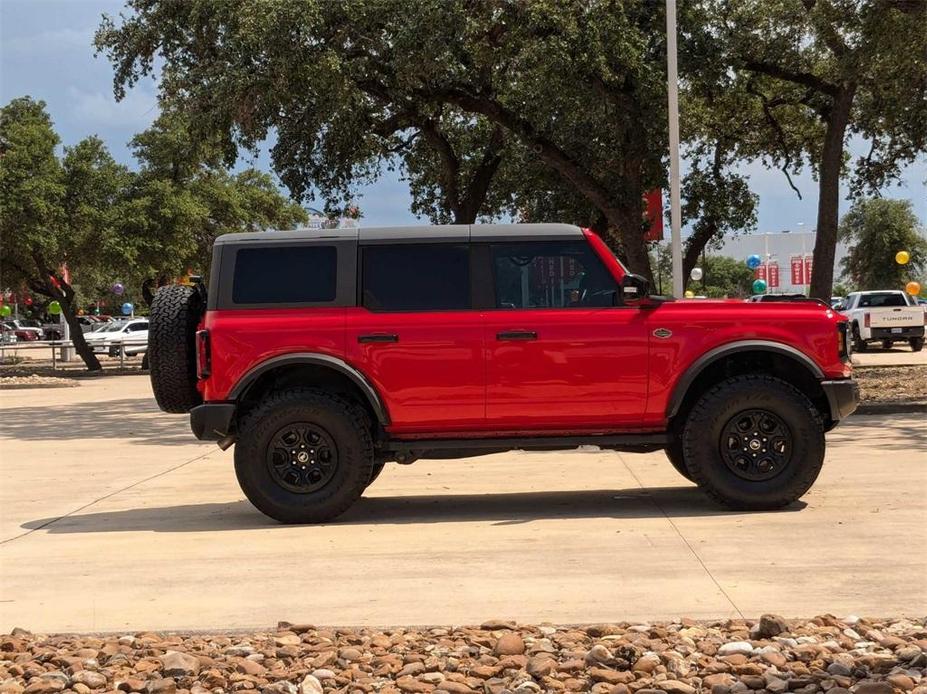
(786, 257)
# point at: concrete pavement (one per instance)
(112, 517)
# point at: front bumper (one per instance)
(842, 396)
(212, 421)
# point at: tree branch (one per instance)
(805, 79)
(780, 135)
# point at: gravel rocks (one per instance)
(820, 656)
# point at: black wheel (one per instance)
(145, 363)
(859, 344)
(917, 344)
(304, 455)
(375, 471)
(887, 344)
(674, 453)
(175, 313)
(754, 442)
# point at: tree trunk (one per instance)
(77, 335)
(626, 231)
(829, 168)
(694, 248)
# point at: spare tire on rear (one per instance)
(175, 313)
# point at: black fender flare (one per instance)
(314, 359)
(725, 350)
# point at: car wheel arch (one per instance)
(310, 368)
(744, 357)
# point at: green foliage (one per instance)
(86, 217)
(802, 76)
(876, 229)
(31, 186)
(575, 92)
(722, 276)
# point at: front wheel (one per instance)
(917, 344)
(304, 455)
(754, 442)
(675, 455)
(887, 344)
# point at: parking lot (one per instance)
(112, 515)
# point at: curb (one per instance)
(892, 408)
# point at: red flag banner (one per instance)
(653, 215)
(773, 275)
(798, 270)
(808, 268)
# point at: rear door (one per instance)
(560, 354)
(415, 334)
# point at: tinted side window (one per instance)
(550, 274)
(412, 277)
(284, 275)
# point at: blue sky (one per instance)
(46, 52)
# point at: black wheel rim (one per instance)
(756, 445)
(302, 457)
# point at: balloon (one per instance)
(696, 274)
(5, 311)
(690, 294)
(759, 286)
(118, 288)
(753, 261)
(127, 308)
(913, 288)
(902, 257)
(54, 308)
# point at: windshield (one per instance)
(109, 326)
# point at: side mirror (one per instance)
(633, 289)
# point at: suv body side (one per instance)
(490, 368)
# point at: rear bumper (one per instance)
(212, 421)
(904, 334)
(842, 396)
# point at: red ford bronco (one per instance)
(325, 354)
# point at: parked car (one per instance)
(108, 337)
(321, 358)
(7, 335)
(25, 330)
(887, 317)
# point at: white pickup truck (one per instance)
(884, 316)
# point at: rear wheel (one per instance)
(887, 344)
(917, 344)
(175, 313)
(754, 442)
(859, 345)
(375, 471)
(304, 455)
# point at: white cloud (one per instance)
(100, 109)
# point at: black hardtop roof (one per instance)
(436, 233)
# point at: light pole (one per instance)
(672, 91)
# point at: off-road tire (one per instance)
(175, 314)
(702, 442)
(917, 344)
(675, 455)
(375, 471)
(859, 345)
(345, 423)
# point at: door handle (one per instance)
(378, 337)
(517, 335)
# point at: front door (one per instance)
(416, 337)
(560, 354)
